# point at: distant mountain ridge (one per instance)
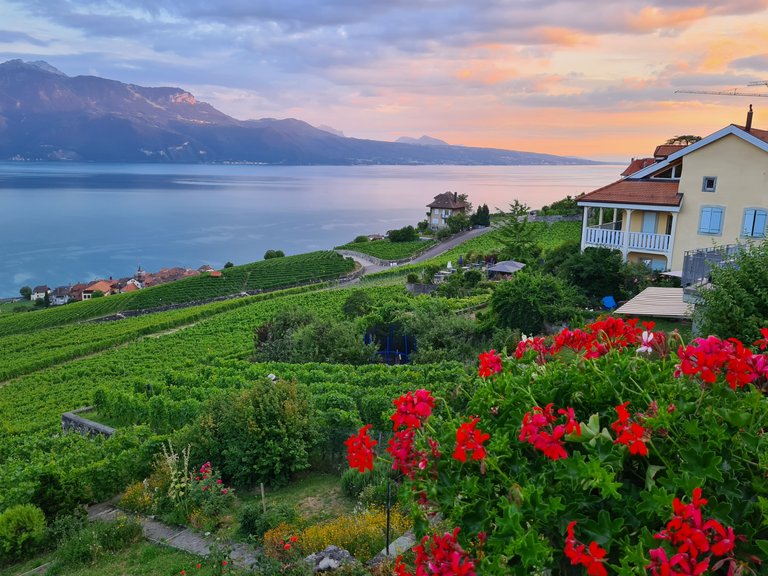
(423, 141)
(47, 115)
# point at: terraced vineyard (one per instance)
(387, 250)
(263, 275)
(31, 405)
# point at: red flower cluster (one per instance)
(591, 557)
(412, 409)
(597, 339)
(490, 364)
(470, 439)
(710, 357)
(631, 433)
(696, 542)
(549, 441)
(360, 449)
(444, 557)
(288, 544)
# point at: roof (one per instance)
(761, 134)
(61, 291)
(758, 138)
(628, 191)
(41, 289)
(448, 200)
(507, 267)
(215, 273)
(664, 302)
(130, 287)
(665, 150)
(638, 164)
(101, 285)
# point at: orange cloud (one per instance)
(651, 19)
(561, 36)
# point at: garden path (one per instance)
(241, 555)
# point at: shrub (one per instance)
(529, 300)
(360, 239)
(136, 498)
(736, 303)
(254, 521)
(22, 529)
(269, 254)
(353, 483)
(359, 303)
(412, 278)
(262, 434)
(405, 234)
(362, 534)
(596, 271)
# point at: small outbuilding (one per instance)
(503, 270)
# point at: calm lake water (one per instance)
(64, 223)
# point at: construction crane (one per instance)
(732, 92)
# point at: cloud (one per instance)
(22, 277)
(757, 62)
(13, 37)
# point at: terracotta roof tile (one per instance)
(653, 192)
(665, 150)
(447, 200)
(102, 285)
(761, 134)
(638, 164)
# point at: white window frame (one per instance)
(755, 214)
(709, 231)
(712, 188)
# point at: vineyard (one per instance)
(263, 275)
(387, 250)
(31, 405)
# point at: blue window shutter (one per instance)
(749, 222)
(705, 219)
(758, 230)
(717, 220)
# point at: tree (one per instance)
(228, 265)
(26, 292)
(359, 303)
(736, 303)
(269, 254)
(465, 198)
(97, 294)
(597, 272)
(530, 300)
(405, 234)
(482, 217)
(457, 222)
(683, 139)
(360, 239)
(565, 207)
(516, 233)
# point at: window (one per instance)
(446, 213)
(711, 220)
(754, 223)
(672, 173)
(708, 184)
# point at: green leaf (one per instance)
(737, 418)
(649, 475)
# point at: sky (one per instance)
(585, 78)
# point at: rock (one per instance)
(330, 559)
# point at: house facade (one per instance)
(443, 207)
(106, 287)
(711, 192)
(39, 292)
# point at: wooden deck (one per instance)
(662, 302)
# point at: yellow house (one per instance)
(711, 192)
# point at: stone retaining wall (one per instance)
(73, 422)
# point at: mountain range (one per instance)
(46, 115)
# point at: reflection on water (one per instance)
(63, 223)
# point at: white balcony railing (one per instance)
(636, 241)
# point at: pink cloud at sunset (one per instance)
(565, 77)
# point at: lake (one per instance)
(63, 223)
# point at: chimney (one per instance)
(748, 127)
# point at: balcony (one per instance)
(605, 236)
(698, 263)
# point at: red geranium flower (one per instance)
(360, 449)
(413, 409)
(490, 363)
(470, 439)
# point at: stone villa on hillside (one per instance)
(443, 207)
(711, 192)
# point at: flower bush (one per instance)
(577, 446)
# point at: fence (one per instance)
(698, 263)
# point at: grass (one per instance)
(10, 307)
(387, 250)
(316, 496)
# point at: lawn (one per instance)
(316, 496)
(10, 307)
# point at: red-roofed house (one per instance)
(106, 287)
(714, 191)
(443, 207)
